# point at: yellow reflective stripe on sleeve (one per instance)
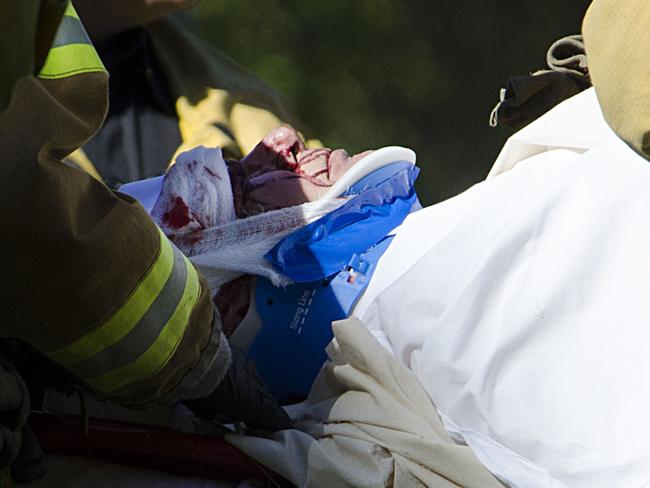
(70, 11)
(162, 349)
(126, 317)
(69, 60)
(72, 51)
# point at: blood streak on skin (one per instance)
(178, 215)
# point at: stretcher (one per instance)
(146, 446)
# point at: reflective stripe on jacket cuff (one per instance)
(142, 335)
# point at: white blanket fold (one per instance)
(367, 423)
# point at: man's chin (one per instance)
(340, 162)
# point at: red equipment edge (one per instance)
(148, 447)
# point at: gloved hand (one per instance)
(242, 396)
(280, 172)
(233, 301)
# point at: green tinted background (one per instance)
(371, 73)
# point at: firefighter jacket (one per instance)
(88, 279)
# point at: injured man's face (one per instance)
(280, 172)
(211, 206)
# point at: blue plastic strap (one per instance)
(324, 247)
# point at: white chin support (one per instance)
(370, 163)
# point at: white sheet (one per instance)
(522, 307)
(367, 423)
(575, 125)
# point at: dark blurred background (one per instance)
(371, 73)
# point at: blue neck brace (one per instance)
(331, 262)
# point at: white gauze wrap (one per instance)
(195, 210)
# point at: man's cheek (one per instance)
(279, 189)
(314, 163)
